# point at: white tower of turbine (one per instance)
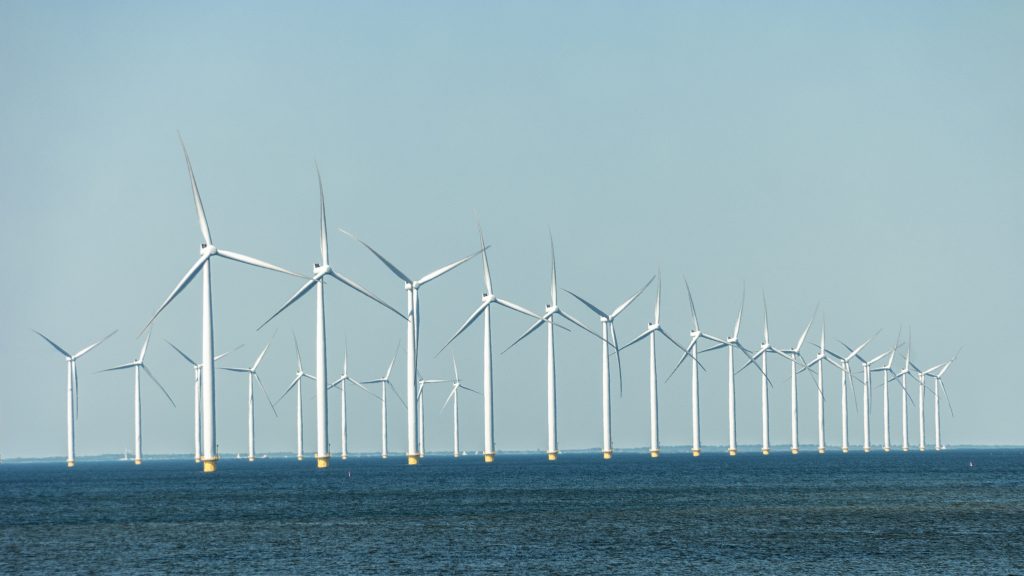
(297, 385)
(794, 354)
(253, 375)
(385, 383)
(341, 385)
(453, 397)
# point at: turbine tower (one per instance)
(207, 252)
(385, 383)
(866, 365)
(419, 401)
(484, 309)
(548, 320)
(72, 361)
(296, 382)
(340, 384)
(608, 331)
(653, 328)
(817, 361)
(137, 365)
(412, 299)
(902, 375)
(843, 362)
(888, 374)
(936, 373)
(253, 375)
(196, 368)
(453, 397)
(762, 353)
(794, 354)
(322, 270)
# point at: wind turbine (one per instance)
(793, 354)
(485, 310)
(691, 349)
(866, 364)
(453, 397)
(888, 374)
(653, 328)
(206, 253)
(340, 384)
(421, 384)
(817, 361)
(253, 375)
(137, 365)
(936, 373)
(322, 270)
(548, 320)
(608, 331)
(762, 353)
(385, 383)
(844, 366)
(72, 361)
(196, 368)
(297, 381)
(412, 299)
(902, 375)
(731, 343)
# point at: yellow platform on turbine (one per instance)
(821, 450)
(252, 458)
(71, 463)
(764, 451)
(732, 451)
(867, 449)
(885, 449)
(552, 456)
(845, 450)
(794, 450)
(209, 466)
(323, 461)
(654, 454)
(413, 459)
(607, 455)
(488, 458)
(138, 461)
(695, 453)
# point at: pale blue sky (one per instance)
(861, 155)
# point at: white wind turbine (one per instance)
(762, 353)
(902, 375)
(340, 384)
(196, 368)
(385, 383)
(253, 375)
(844, 367)
(866, 365)
(817, 361)
(548, 320)
(412, 299)
(794, 354)
(321, 270)
(453, 397)
(206, 253)
(653, 328)
(730, 344)
(296, 382)
(608, 331)
(72, 361)
(485, 310)
(137, 365)
(888, 374)
(421, 384)
(936, 372)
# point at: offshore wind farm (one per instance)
(594, 288)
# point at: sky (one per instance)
(860, 157)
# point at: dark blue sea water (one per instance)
(875, 513)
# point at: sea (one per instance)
(960, 511)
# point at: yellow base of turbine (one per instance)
(794, 450)
(252, 458)
(764, 451)
(209, 466)
(607, 455)
(821, 450)
(413, 459)
(885, 449)
(71, 463)
(488, 458)
(845, 450)
(198, 460)
(732, 451)
(552, 456)
(138, 461)
(695, 452)
(299, 457)
(323, 461)
(867, 449)
(655, 454)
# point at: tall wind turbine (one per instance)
(296, 382)
(888, 375)
(137, 365)
(762, 353)
(866, 365)
(412, 299)
(653, 328)
(72, 361)
(608, 331)
(902, 375)
(844, 366)
(817, 361)
(453, 397)
(794, 354)
(485, 310)
(936, 373)
(253, 375)
(548, 320)
(340, 384)
(206, 253)
(730, 344)
(322, 270)
(385, 383)
(421, 385)
(196, 369)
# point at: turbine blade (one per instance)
(190, 361)
(803, 335)
(177, 289)
(554, 274)
(263, 352)
(255, 262)
(578, 323)
(593, 308)
(397, 395)
(203, 225)
(387, 375)
(693, 310)
(366, 293)
(637, 339)
(323, 219)
(516, 307)
(288, 389)
(448, 399)
(657, 301)
(529, 331)
(145, 345)
(265, 393)
(157, 382)
(83, 351)
(54, 344)
(367, 390)
(631, 299)
(445, 269)
(476, 314)
(121, 367)
(394, 269)
(305, 288)
(739, 317)
(487, 267)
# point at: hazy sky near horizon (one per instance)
(865, 156)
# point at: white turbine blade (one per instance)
(367, 390)
(476, 314)
(255, 262)
(445, 269)
(298, 355)
(949, 403)
(752, 359)
(288, 389)
(394, 269)
(305, 288)
(83, 351)
(145, 345)
(263, 352)
(121, 367)
(877, 358)
(387, 375)
(615, 344)
(54, 344)
(657, 301)
(630, 300)
(803, 335)
(455, 368)
(739, 317)
(366, 293)
(671, 339)
(576, 322)
(397, 395)
(676, 367)
(265, 393)
(529, 331)
(223, 354)
(323, 219)
(487, 267)
(714, 339)
(516, 307)
(593, 308)
(468, 389)
(203, 226)
(693, 309)
(764, 300)
(931, 371)
(435, 381)
(715, 347)
(857, 350)
(554, 274)
(190, 361)
(448, 399)
(157, 382)
(177, 289)
(232, 369)
(637, 339)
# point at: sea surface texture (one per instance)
(955, 512)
